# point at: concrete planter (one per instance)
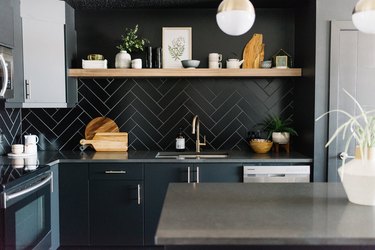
(281, 137)
(358, 178)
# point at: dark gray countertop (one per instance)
(52, 157)
(263, 214)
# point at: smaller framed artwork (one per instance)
(177, 46)
(281, 62)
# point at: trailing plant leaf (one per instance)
(361, 127)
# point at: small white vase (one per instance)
(123, 59)
(281, 137)
(358, 179)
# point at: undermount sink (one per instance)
(191, 155)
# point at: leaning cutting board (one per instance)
(100, 124)
(105, 142)
(253, 52)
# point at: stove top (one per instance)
(12, 175)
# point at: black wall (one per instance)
(152, 109)
(100, 31)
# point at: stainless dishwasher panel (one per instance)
(292, 173)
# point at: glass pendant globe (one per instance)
(235, 17)
(364, 16)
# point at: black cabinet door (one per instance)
(6, 23)
(73, 204)
(157, 178)
(116, 212)
(218, 172)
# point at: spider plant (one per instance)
(360, 127)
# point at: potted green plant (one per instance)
(131, 42)
(279, 129)
(357, 175)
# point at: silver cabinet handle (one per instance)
(188, 169)
(344, 155)
(27, 190)
(115, 172)
(139, 194)
(27, 84)
(197, 174)
(5, 78)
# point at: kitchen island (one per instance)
(231, 215)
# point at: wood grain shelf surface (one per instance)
(200, 72)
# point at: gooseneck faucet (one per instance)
(195, 130)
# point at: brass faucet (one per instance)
(195, 130)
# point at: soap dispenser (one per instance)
(180, 141)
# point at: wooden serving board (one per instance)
(100, 124)
(253, 52)
(106, 142)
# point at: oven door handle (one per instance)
(5, 78)
(28, 190)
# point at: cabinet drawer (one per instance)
(116, 171)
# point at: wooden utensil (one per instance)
(114, 142)
(100, 124)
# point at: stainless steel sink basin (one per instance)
(191, 155)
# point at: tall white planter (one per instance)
(281, 137)
(358, 179)
(123, 59)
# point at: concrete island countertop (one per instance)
(235, 214)
(52, 157)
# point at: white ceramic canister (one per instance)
(31, 149)
(123, 59)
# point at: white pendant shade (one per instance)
(364, 16)
(235, 17)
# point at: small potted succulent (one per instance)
(131, 42)
(280, 129)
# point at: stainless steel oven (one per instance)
(6, 73)
(26, 214)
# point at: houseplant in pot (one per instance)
(358, 175)
(131, 42)
(279, 129)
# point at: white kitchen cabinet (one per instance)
(46, 55)
(6, 23)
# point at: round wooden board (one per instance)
(100, 124)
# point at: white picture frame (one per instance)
(177, 46)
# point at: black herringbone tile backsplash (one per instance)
(152, 110)
(10, 124)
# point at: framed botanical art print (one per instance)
(177, 46)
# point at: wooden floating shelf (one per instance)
(200, 72)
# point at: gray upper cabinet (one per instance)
(46, 55)
(6, 23)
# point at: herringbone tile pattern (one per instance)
(153, 109)
(10, 124)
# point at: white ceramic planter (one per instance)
(123, 59)
(281, 137)
(358, 179)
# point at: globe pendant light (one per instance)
(235, 17)
(364, 16)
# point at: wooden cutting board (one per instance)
(100, 124)
(108, 142)
(253, 52)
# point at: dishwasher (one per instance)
(279, 173)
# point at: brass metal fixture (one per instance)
(195, 130)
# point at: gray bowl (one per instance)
(190, 63)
